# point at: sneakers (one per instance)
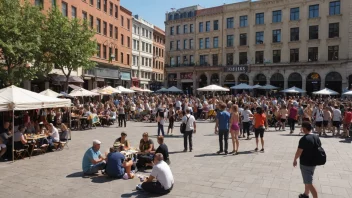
(303, 196)
(256, 149)
(139, 187)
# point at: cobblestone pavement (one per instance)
(197, 174)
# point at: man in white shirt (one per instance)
(162, 173)
(53, 135)
(178, 104)
(190, 122)
(319, 118)
(336, 120)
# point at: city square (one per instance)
(200, 173)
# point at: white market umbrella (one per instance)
(110, 90)
(326, 91)
(50, 93)
(348, 93)
(213, 88)
(147, 90)
(124, 90)
(242, 86)
(174, 89)
(293, 90)
(268, 87)
(137, 89)
(82, 92)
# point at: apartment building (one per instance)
(158, 59)
(142, 54)
(112, 23)
(307, 44)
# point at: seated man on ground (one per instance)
(146, 146)
(123, 141)
(161, 149)
(163, 175)
(117, 166)
(93, 161)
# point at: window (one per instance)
(105, 5)
(64, 9)
(334, 30)
(185, 44)
(137, 45)
(128, 24)
(98, 4)
(201, 43)
(216, 24)
(294, 34)
(98, 26)
(185, 31)
(122, 21)
(207, 43)
(243, 39)
(191, 28)
(313, 32)
(53, 3)
(312, 54)
(84, 16)
(74, 12)
(259, 57)
(191, 59)
(134, 44)
(294, 55)
(277, 16)
(116, 55)
(177, 30)
(105, 28)
(215, 59)
(143, 46)
(276, 36)
(121, 57)
(294, 14)
(128, 59)
(276, 56)
(259, 18)
(91, 2)
(91, 21)
(116, 11)
(111, 8)
(116, 33)
(244, 21)
(110, 30)
(243, 58)
(229, 23)
(191, 44)
(229, 59)
(203, 59)
(313, 11)
(98, 50)
(207, 26)
(122, 39)
(215, 42)
(128, 41)
(143, 61)
(39, 3)
(178, 45)
(172, 30)
(104, 51)
(171, 45)
(259, 37)
(333, 53)
(200, 27)
(229, 42)
(334, 8)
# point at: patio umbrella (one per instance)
(136, 89)
(174, 89)
(293, 90)
(50, 93)
(242, 86)
(326, 91)
(82, 92)
(268, 87)
(147, 90)
(348, 93)
(257, 86)
(124, 90)
(110, 90)
(213, 88)
(162, 90)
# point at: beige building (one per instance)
(307, 44)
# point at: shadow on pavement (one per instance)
(139, 194)
(212, 134)
(207, 155)
(168, 136)
(78, 174)
(346, 141)
(176, 152)
(101, 179)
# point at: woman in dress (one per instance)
(235, 129)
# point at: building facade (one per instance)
(307, 44)
(158, 59)
(142, 55)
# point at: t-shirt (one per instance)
(309, 144)
(55, 134)
(259, 120)
(189, 123)
(293, 113)
(245, 114)
(163, 150)
(145, 145)
(348, 117)
(224, 120)
(114, 166)
(17, 136)
(336, 115)
(162, 172)
(319, 115)
(89, 155)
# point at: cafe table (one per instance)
(32, 139)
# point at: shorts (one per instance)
(336, 123)
(318, 123)
(347, 126)
(259, 131)
(325, 123)
(306, 119)
(307, 173)
(283, 120)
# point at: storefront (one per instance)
(135, 82)
(125, 79)
(111, 76)
(172, 80)
(187, 82)
(313, 83)
(155, 85)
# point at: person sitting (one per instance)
(117, 166)
(162, 149)
(163, 175)
(64, 133)
(93, 161)
(123, 141)
(146, 146)
(19, 138)
(53, 136)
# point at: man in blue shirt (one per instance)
(117, 166)
(93, 161)
(222, 127)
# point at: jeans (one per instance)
(223, 135)
(160, 128)
(95, 168)
(246, 126)
(122, 119)
(199, 112)
(189, 135)
(155, 187)
(292, 123)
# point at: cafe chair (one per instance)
(20, 153)
(113, 116)
(95, 120)
(64, 144)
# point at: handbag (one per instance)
(183, 126)
(319, 155)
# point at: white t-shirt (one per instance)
(162, 172)
(189, 124)
(55, 134)
(336, 115)
(178, 103)
(245, 114)
(319, 115)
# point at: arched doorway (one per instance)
(203, 81)
(259, 79)
(333, 81)
(277, 80)
(313, 82)
(294, 80)
(230, 81)
(243, 78)
(214, 79)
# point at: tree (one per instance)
(20, 40)
(69, 43)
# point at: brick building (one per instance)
(158, 59)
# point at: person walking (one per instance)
(122, 116)
(259, 127)
(161, 120)
(235, 128)
(246, 118)
(306, 154)
(336, 120)
(191, 128)
(222, 128)
(292, 117)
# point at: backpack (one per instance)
(320, 155)
(183, 126)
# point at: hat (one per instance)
(123, 134)
(96, 142)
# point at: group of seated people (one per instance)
(117, 165)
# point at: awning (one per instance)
(71, 79)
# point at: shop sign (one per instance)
(107, 73)
(188, 75)
(125, 76)
(237, 68)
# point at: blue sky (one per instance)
(154, 10)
